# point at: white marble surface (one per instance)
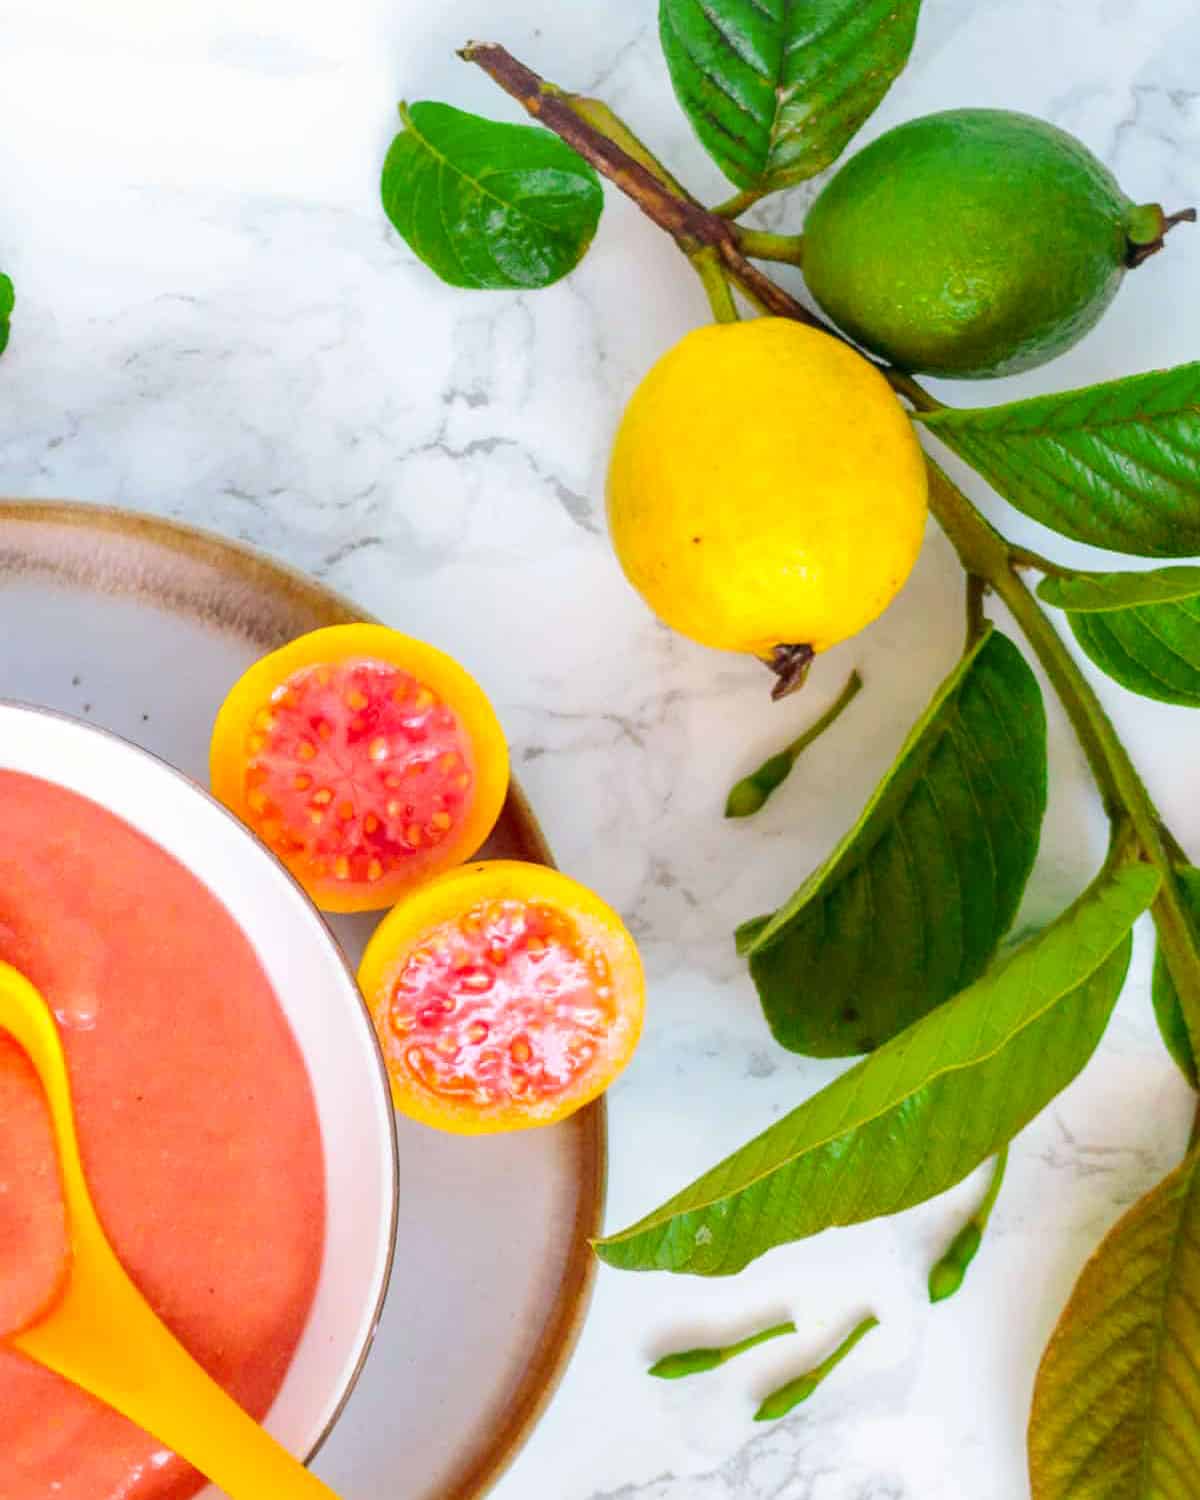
(216, 323)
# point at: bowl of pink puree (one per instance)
(233, 1109)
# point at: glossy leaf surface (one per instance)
(486, 204)
(916, 1116)
(910, 907)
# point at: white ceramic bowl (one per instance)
(317, 992)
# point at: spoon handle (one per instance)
(104, 1337)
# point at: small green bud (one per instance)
(745, 798)
(696, 1361)
(686, 1362)
(789, 1396)
(749, 794)
(948, 1275)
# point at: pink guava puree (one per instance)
(197, 1125)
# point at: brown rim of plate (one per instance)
(507, 1433)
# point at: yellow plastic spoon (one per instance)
(103, 1335)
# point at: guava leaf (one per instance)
(1143, 629)
(1116, 1407)
(7, 302)
(1167, 1008)
(1107, 593)
(911, 905)
(486, 204)
(1116, 465)
(776, 88)
(916, 1116)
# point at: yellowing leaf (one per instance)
(1116, 1409)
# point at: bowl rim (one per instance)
(505, 1433)
(391, 1144)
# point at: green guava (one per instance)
(973, 243)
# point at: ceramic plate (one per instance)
(141, 626)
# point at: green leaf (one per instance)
(914, 1118)
(486, 204)
(1116, 465)
(1143, 629)
(1167, 1009)
(1116, 1407)
(1108, 593)
(7, 302)
(911, 905)
(776, 88)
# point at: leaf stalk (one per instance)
(713, 279)
(1024, 557)
(602, 118)
(740, 203)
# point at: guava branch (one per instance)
(984, 552)
(715, 246)
(630, 167)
